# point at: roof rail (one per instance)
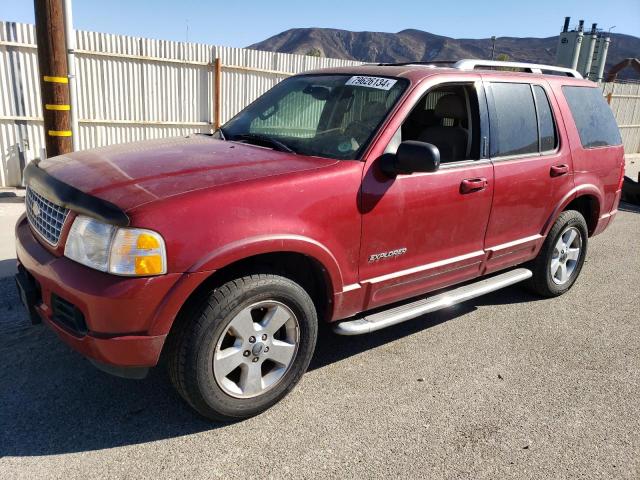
(433, 63)
(471, 64)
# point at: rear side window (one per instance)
(514, 128)
(593, 117)
(548, 138)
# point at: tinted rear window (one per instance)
(514, 127)
(593, 117)
(548, 139)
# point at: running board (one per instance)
(407, 311)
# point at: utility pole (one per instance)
(54, 76)
(493, 46)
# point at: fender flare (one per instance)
(262, 244)
(576, 192)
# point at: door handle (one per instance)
(470, 185)
(558, 170)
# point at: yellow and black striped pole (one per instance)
(54, 79)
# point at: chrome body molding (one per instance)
(423, 268)
(515, 245)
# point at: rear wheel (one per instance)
(558, 265)
(245, 348)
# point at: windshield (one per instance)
(331, 116)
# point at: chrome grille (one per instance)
(45, 217)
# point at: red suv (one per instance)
(361, 196)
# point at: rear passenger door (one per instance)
(532, 168)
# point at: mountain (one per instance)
(417, 45)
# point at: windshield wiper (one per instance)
(218, 132)
(258, 139)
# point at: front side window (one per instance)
(447, 117)
(595, 122)
(332, 116)
(514, 129)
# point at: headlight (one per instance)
(121, 251)
(89, 242)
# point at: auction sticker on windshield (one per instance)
(380, 83)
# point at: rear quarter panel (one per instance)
(594, 168)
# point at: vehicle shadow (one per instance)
(629, 207)
(7, 267)
(10, 197)
(53, 401)
(333, 348)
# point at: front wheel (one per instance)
(245, 348)
(557, 266)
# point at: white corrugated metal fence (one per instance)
(624, 99)
(131, 89)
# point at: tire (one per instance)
(544, 281)
(198, 355)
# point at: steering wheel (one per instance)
(358, 130)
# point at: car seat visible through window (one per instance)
(452, 141)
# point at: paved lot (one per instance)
(506, 386)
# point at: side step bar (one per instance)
(407, 311)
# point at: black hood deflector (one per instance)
(72, 198)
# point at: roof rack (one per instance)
(471, 64)
(433, 63)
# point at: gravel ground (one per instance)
(505, 386)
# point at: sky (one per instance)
(241, 23)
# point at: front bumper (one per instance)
(119, 313)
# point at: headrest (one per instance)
(450, 106)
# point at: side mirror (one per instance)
(412, 156)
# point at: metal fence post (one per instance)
(70, 36)
(217, 86)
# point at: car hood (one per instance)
(132, 174)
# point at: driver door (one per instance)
(425, 231)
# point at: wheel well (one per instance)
(304, 270)
(589, 207)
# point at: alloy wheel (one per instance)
(256, 349)
(566, 255)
